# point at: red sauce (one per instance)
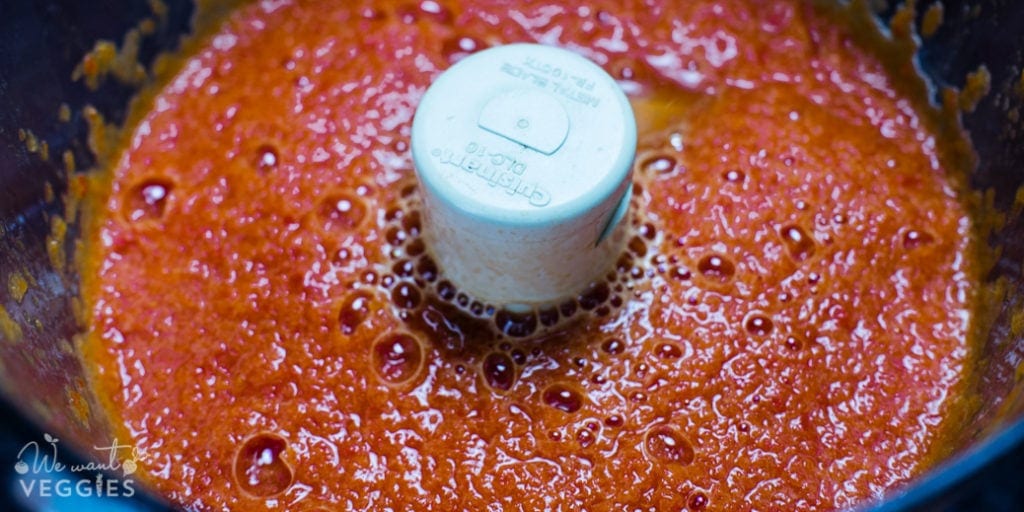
(786, 331)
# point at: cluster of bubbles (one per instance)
(415, 279)
(453, 48)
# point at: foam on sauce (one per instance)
(787, 327)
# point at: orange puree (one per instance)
(787, 329)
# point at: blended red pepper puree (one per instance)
(787, 328)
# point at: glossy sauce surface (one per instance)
(787, 328)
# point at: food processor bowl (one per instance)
(45, 148)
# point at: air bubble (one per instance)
(669, 351)
(614, 421)
(341, 212)
(658, 164)
(428, 10)
(415, 247)
(593, 296)
(354, 311)
(734, 176)
(393, 213)
(147, 201)
(343, 255)
(259, 468)
(411, 223)
(585, 438)
(408, 190)
(397, 357)
(637, 246)
(799, 244)
(371, 13)
(681, 274)
(568, 308)
(648, 231)
(499, 372)
(427, 269)
(563, 398)
(641, 370)
(548, 317)
(518, 357)
(613, 346)
(913, 239)
(516, 325)
(266, 158)
(624, 263)
(697, 501)
(676, 141)
(716, 268)
(626, 73)
(405, 296)
(460, 47)
(403, 268)
(664, 444)
(399, 146)
(636, 273)
(395, 236)
(370, 277)
(758, 325)
(794, 343)
(446, 290)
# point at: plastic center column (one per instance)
(524, 155)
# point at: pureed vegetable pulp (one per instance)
(786, 329)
